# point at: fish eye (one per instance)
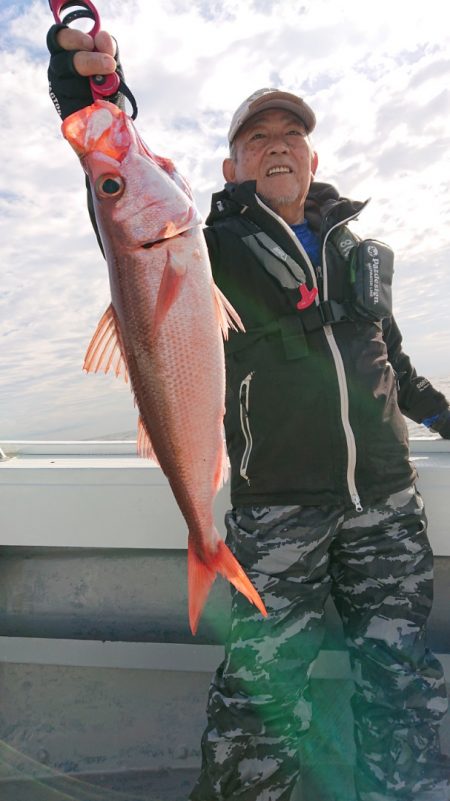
(109, 186)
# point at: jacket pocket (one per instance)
(244, 405)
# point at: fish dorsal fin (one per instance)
(144, 445)
(226, 314)
(171, 282)
(105, 351)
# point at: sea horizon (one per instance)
(415, 430)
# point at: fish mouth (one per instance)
(156, 242)
(174, 228)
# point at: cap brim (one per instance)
(283, 100)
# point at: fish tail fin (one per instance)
(228, 566)
(200, 580)
(226, 314)
(201, 576)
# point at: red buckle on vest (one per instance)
(307, 296)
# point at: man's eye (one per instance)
(296, 132)
(257, 135)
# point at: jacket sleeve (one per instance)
(417, 398)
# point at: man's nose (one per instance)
(278, 144)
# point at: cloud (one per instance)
(375, 74)
(436, 69)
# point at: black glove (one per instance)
(442, 424)
(70, 91)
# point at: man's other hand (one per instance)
(442, 424)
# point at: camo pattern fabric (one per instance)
(378, 566)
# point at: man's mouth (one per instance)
(278, 170)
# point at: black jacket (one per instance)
(313, 414)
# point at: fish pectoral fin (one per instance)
(144, 445)
(105, 351)
(172, 280)
(201, 575)
(227, 315)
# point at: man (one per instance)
(322, 489)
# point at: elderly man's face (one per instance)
(273, 150)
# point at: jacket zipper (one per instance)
(244, 403)
(335, 352)
(342, 382)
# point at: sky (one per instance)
(375, 73)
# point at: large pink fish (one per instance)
(163, 328)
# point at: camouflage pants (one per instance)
(378, 567)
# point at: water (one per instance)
(415, 429)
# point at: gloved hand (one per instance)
(442, 424)
(72, 61)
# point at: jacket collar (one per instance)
(324, 207)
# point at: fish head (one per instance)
(139, 198)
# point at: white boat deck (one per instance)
(101, 494)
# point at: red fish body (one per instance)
(163, 329)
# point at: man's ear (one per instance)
(229, 170)
(314, 163)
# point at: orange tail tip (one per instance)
(201, 577)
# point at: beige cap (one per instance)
(271, 98)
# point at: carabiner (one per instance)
(102, 86)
